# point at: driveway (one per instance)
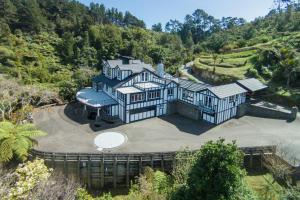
(69, 132)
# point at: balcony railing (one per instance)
(207, 109)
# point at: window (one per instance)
(137, 97)
(119, 74)
(208, 101)
(145, 76)
(153, 95)
(114, 92)
(187, 95)
(121, 96)
(170, 92)
(231, 99)
(108, 72)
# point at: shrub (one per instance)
(67, 90)
(253, 73)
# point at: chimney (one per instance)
(160, 70)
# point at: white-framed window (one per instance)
(187, 95)
(170, 91)
(145, 76)
(153, 95)
(137, 97)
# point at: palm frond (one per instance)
(21, 147)
(26, 127)
(32, 133)
(6, 149)
(6, 126)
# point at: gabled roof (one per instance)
(111, 82)
(251, 84)
(136, 66)
(190, 85)
(228, 90)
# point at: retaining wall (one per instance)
(185, 109)
(266, 112)
(109, 170)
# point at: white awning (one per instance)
(129, 90)
(147, 85)
(93, 98)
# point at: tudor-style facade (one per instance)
(131, 90)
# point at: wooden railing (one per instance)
(99, 170)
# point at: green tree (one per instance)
(157, 27)
(67, 47)
(215, 58)
(17, 140)
(216, 173)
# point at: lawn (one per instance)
(264, 186)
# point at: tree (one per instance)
(67, 47)
(215, 58)
(17, 140)
(157, 27)
(130, 20)
(216, 173)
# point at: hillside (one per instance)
(258, 61)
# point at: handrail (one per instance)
(246, 150)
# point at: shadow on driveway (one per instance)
(195, 127)
(74, 111)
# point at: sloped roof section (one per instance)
(136, 66)
(95, 99)
(228, 90)
(251, 84)
(190, 85)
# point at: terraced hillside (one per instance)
(247, 62)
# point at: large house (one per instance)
(131, 90)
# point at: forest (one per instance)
(61, 44)
(50, 49)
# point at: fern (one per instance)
(17, 140)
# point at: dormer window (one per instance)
(145, 76)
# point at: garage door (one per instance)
(209, 118)
(142, 113)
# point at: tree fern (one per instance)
(17, 140)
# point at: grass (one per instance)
(236, 72)
(264, 186)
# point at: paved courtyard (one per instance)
(69, 132)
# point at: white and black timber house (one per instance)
(131, 90)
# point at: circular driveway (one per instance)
(68, 131)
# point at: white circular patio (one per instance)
(109, 140)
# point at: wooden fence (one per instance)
(118, 170)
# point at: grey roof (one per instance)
(190, 85)
(136, 66)
(228, 90)
(95, 99)
(111, 82)
(251, 84)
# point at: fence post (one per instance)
(53, 160)
(102, 172)
(78, 168)
(89, 172)
(162, 163)
(127, 172)
(115, 173)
